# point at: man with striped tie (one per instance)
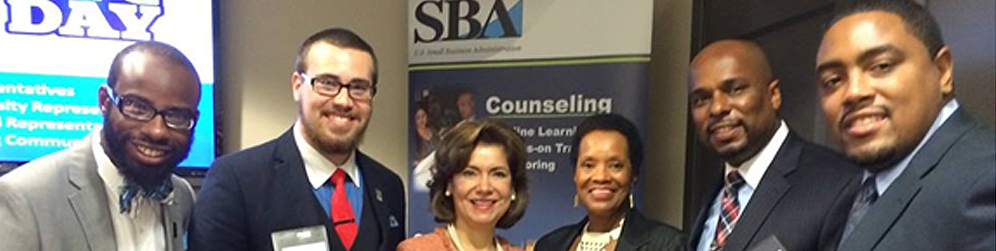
(777, 189)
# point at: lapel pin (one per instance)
(380, 196)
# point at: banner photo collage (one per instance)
(541, 67)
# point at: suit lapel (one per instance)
(634, 232)
(170, 225)
(575, 233)
(884, 213)
(297, 204)
(373, 190)
(89, 200)
(767, 195)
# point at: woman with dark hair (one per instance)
(478, 183)
(607, 159)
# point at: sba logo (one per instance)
(454, 20)
(107, 19)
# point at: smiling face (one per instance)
(880, 87)
(604, 174)
(734, 102)
(147, 151)
(333, 125)
(483, 190)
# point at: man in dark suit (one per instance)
(778, 190)
(886, 85)
(312, 181)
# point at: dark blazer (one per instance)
(944, 200)
(638, 234)
(250, 194)
(803, 200)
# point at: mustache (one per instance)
(723, 122)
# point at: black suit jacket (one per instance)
(638, 234)
(944, 200)
(250, 194)
(803, 200)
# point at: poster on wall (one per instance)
(55, 55)
(539, 66)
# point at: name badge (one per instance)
(312, 238)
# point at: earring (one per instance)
(513, 197)
(577, 200)
(447, 193)
(630, 200)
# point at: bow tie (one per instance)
(130, 191)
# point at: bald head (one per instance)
(734, 99)
(745, 54)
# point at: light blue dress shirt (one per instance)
(885, 177)
(354, 193)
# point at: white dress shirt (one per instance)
(752, 171)
(140, 229)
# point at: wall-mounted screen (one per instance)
(54, 55)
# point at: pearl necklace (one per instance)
(456, 241)
(594, 241)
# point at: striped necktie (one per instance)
(864, 200)
(342, 212)
(730, 211)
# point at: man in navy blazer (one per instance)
(783, 192)
(251, 198)
(886, 85)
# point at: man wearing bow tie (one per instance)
(313, 181)
(115, 190)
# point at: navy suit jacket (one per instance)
(803, 200)
(944, 200)
(250, 194)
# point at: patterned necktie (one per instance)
(342, 212)
(130, 190)
(730, 211)
(864, 200)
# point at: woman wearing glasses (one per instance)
(479, 183)
(608, 154)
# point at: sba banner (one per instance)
(540, 66)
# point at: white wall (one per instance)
(258, 41)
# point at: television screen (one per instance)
(54, 55)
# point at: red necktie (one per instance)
(730, 211)
(342, 212)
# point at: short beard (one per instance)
(875, 160)
(334, 147)
(147, 177)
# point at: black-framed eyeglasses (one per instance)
(138, 108)
(330, 86)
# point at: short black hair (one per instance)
(616, 123)
(339, 37)
(454, 153)
(916, 17)
(162, 50)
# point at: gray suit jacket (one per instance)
(944, 200)
(58, 202)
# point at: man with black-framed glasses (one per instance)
(116, 190)
(312, 180)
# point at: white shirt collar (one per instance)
(105, 168)
(753, 169)
(319, 168)
(885, 177)
(139, 229)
